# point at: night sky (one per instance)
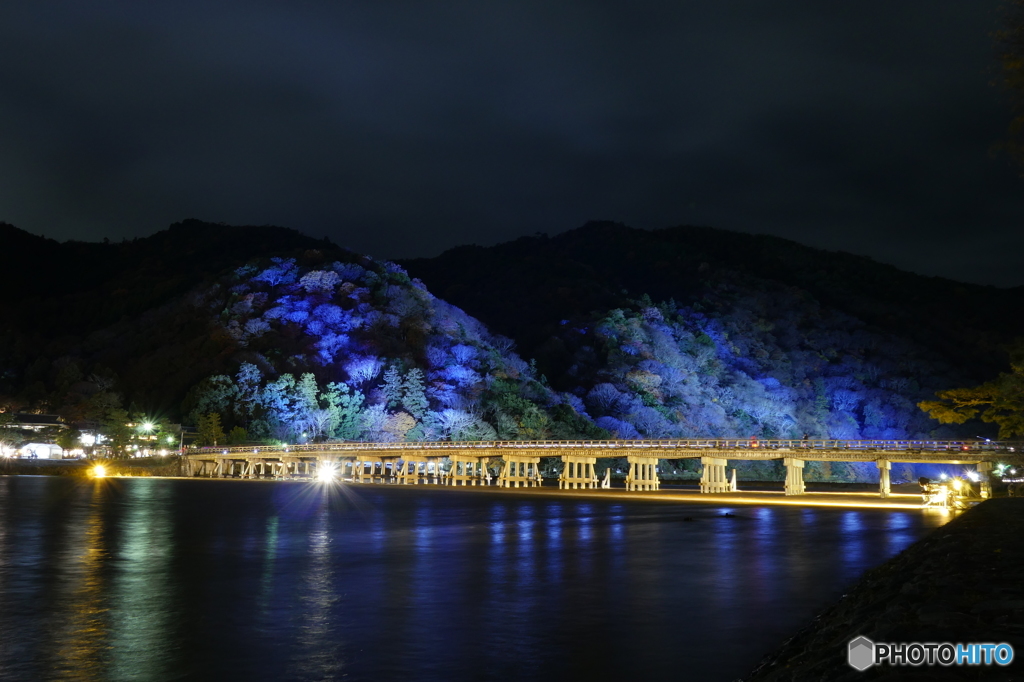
(404, 128)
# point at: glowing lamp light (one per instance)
(148, 426)
(99, 471)
(973, 475)
(957, 483)
(942, 477)
(326, 472)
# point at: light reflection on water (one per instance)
(159, 579)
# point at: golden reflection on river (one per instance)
(83, 635)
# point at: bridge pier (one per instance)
(577, 472)
(519, 469)
(985, 479)
(884, 488)
(359, 474)
(467, 470)
(402, 473)
(794, 476)
(712, 475)
(643, 473)
(416, 470)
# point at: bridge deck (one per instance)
(917, 451)
(470, 463)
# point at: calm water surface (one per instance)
(148, 579)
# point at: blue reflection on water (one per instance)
(616, 526)
(726, 584)
(852, 541)
(766, 558)
(852, 522)
(585, 533)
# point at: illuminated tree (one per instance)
(209, 429)
(345, 405)
(238, 436)
(391, 389)
(118, 434)
(1000, 401)
(398, 425)
(414, 398)
(67, 439)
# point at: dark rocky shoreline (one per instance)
(962, 583)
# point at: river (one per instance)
(164, 579)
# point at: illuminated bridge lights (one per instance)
(471, 463)
(733, 444)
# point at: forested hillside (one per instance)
(694, 331)
(315, 341)
(602, 331)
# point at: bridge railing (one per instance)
(691, 444)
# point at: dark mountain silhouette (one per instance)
(106, 305)
(81, 286)
(526, 288)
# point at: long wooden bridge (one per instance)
(471, 462)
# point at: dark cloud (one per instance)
(403, 128)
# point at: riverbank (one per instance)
(79, 468)
(962, 583)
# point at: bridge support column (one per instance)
(417, 470)
(466, 470)
(577, 472)
(358, 470)
(712, 475)
(643, 473)
(884, 488)
(794, 476)
(519, 469)
(985, 479)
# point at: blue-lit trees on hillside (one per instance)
(359, 351)
(771, 365)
